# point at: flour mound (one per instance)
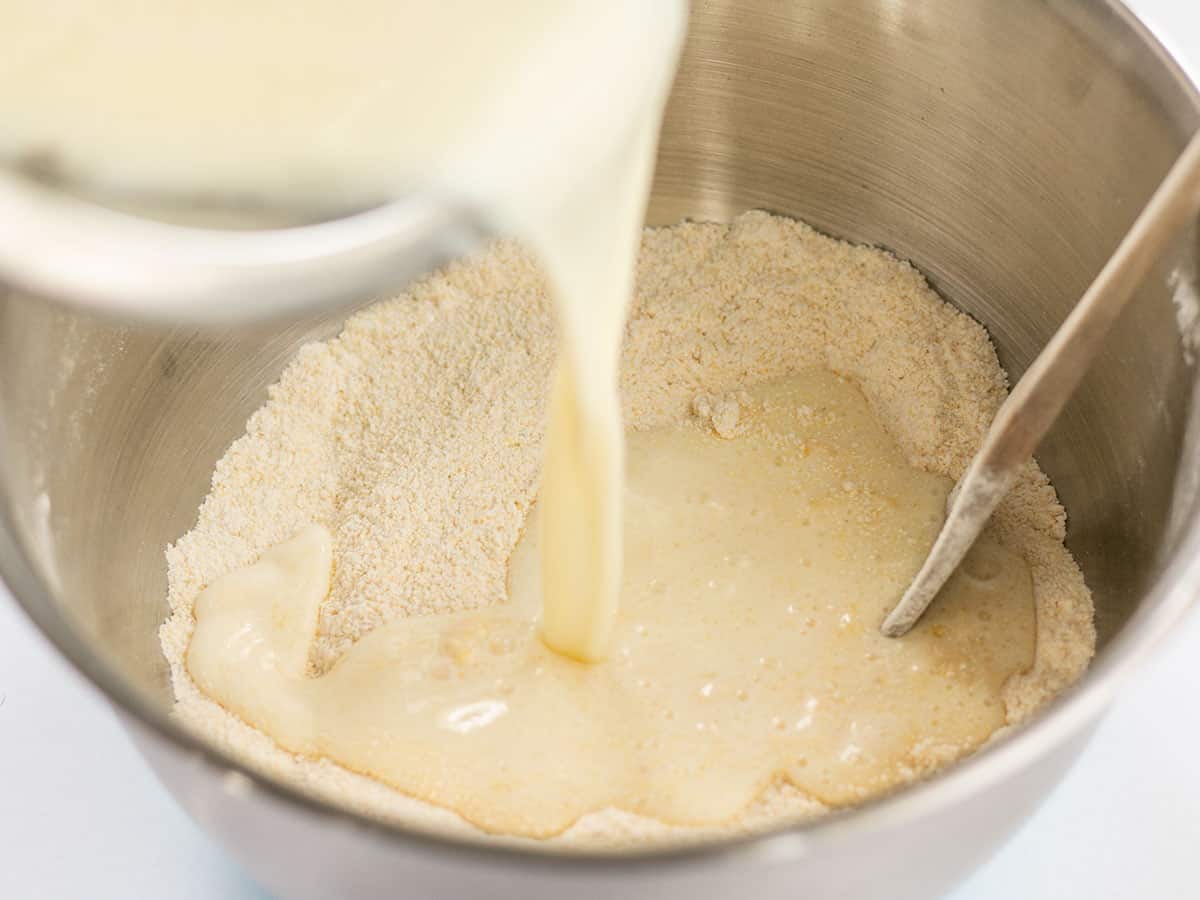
(415, 437)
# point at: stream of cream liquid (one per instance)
(543, 113)
(746, 646)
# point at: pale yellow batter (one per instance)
(757, 568)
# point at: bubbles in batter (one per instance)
(763, 545)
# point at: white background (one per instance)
(80, 815)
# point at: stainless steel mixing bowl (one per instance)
(1003, 147)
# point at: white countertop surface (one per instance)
(81, 815)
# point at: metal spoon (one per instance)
(1043, 390)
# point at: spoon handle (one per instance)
(1047, 384)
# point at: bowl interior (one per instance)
(1003, 148)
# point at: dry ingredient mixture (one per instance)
(415, 438)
